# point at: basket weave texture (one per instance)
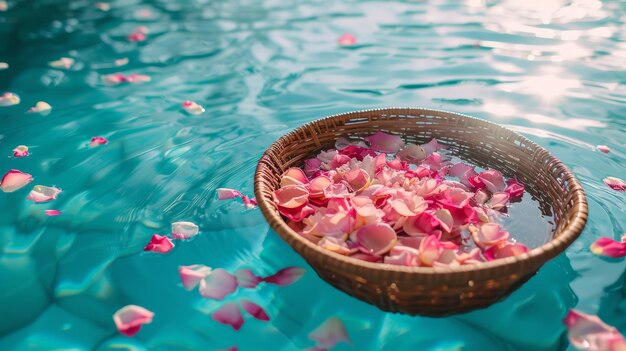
(426, 290)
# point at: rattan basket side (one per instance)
(424, 290)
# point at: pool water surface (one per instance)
(552, 70)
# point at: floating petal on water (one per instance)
(9, 99)
(346, 40)
(14, 180)
(20, 151)
(609, 247)
(159, 243)
(192, 107)
(129, 319)
(41, 193)
(95, 141)
(52, 213)
(615, 183)
(184, 230)
(41, 107)
(603, 148)
(63, 62)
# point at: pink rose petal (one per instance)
(247, 279)
(358, 179)
(233, 348)
(498, 200)
(52, 213)
(430, 250)
(318, 186)
(293, 176)
(346, 40)
(376, 238)
(603, 148)
(184, 230)
(63, 62)
(421, 225)
(160, 244)
(285, 276)
(225, 194)
(95, 141)
(129, 319)
(139, 34)
(192, 107)
(41, 107)
(515, 189)
(218, 284)
(445, 219)
(291, 196)
(254, 310)
(412, 154)
(9, 99)
(329, 334)
(615, 183)
(588, 332)
(609, 247)
(335, 245)
(191, 276)
(384, 142)
(454, 198)
(14, 180)
(403, 256)
(493, 180)
(20, 151)
(229, 314)
(488, 234)
(137, 78)
(504, 250)
(41, 193)
(432, 146)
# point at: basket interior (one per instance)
(478, 142)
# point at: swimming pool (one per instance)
(551, 70)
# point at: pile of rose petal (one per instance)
(380, 200)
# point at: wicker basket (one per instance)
(424, 290)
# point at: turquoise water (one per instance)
(551, 70)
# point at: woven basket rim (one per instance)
(559, 242)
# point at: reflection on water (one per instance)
(551, 70)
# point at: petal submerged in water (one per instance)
(129, 319)
(229, 314)
(329, 334)
(63, 62)
(285, 276)
(588, 332)
(218, 284)
(254, 310)
(52, 213)
(191, 275)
